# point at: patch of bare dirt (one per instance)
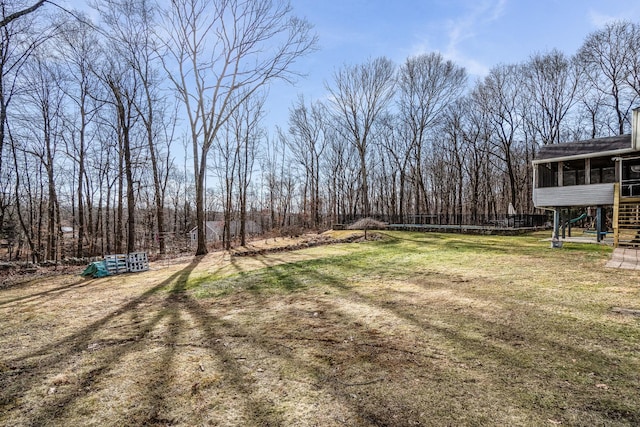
(291, 244)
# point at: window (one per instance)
(547, 175)
(573, 172)
(631, 177)
(603, 170)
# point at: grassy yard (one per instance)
(413, 329)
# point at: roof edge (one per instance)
(585, 156)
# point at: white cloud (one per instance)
(466, 27)
(598, 19)
(626, 13)
(498, 9)
(473, 67)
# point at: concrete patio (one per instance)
(627, 258)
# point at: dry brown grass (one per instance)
(410, 330)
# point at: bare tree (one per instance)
(428, 85)
(307, 129)
(606, 55)
(249, 136)
(277, 180)
(475, 129)
(19, 39)
(130, 24)
(219, 53)
(8, 17)
(633, 62)
(360, 96)
(342, 171)
(28, 195)
(77, 44)
(453, 136)
(395, 139)
(233, 157)
(41, 124)
(499, 94)
(553, 81)
(122, 88)
(17, 42)
(593, 110)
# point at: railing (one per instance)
(616, 214)
(496, 220)
(626, 219)
(630, 188)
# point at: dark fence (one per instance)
(498, 221)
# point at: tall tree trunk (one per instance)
(119, 234)
(366, 206)
(80, 190)
(131, 202)
(157, 186)
(200, 169)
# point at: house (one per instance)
(601, 174)
(215, 230)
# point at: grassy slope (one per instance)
(413, 329)
(533, 323)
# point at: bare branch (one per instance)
(12, 17)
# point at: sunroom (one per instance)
(598, 175)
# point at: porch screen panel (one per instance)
(547, 175)
(603, 170)
(573, 172)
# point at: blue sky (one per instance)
(476, 34)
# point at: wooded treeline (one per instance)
(125, 132)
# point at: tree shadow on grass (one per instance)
(294, 276)
(514, 350)
(29, 375)
(259, 410)
(515, 355)
(290, 273)
(298, 275)
(336, 349)
(507, 354)
(28, 372)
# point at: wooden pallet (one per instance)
(116, 263)
(127, 263)
(138, 261)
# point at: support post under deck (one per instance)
(599, 223)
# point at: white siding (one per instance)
(574, 195)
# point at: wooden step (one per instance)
(629, 238)
(626, 220)
(629, 221)
(623, 244)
